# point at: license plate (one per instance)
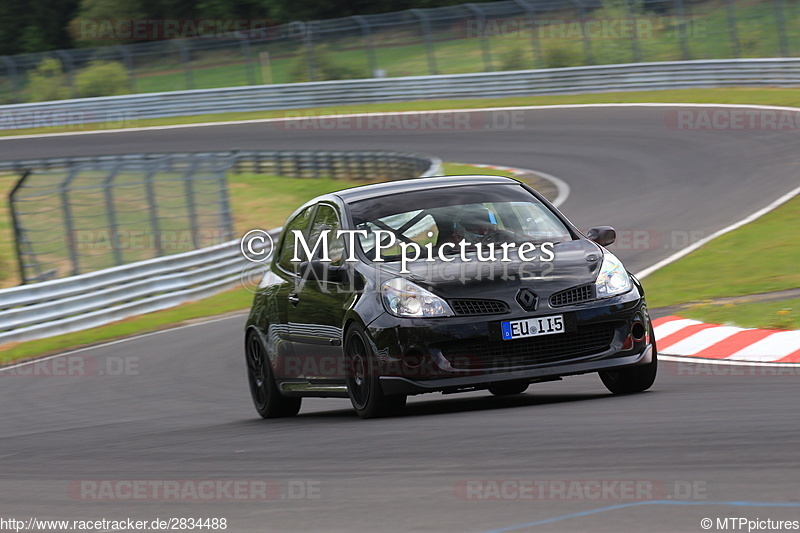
(532, 327)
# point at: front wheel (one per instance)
(268, 400)
(631, 380)
(363, 383)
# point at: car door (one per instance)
(317, 306)
(287, 365)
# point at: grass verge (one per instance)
(756, 258)
(769, 315)
(762, 96)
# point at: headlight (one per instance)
(403, 298)
(612, 279)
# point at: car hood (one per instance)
(574, 263)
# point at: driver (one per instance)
(473, 224)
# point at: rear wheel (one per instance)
(509, 388)
(363, 383)
(269, 401)
(634, 379)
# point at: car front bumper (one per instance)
(402, 385)
(459, 353)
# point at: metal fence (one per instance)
(485, 37)
(80, 217)
(81, 214)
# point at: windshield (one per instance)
(472, 213)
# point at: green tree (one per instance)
(35, 25)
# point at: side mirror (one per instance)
(602, 235)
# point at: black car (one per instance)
(446, 285)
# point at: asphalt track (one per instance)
(706, 441)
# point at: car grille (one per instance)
(472, 354)
(478, 307)
(574, 295)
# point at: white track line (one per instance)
(691, 248)
(561, 186)
(385, 113)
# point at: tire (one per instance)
(509, 388)
(363, 383)
(268, 400)
(635, 379)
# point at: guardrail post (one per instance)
(18, 236)
(685, 54)
(780, 25)
(69, 70)
(108, 193)
(151, 201)
(249, 68)
(225, 206)
(530, 12)
(736, 50)
(369, 47)
(69, 226)
(127, 60)
(481, 19)
(587, 42)
(426, 32)
(637, 53)
(11, 68)
(188, 187)
(186, 59)
(308, 44)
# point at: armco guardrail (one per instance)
(85, 301)
(780, 72)
(292, 164)
(80, 302)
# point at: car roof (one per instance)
(365, 192)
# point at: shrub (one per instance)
(557, 55)
(513, 59)
(325, 68)
(48, 82)
(102, 78)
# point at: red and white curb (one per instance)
(690, 338)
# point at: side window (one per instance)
(327, 219)
(286, 252)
